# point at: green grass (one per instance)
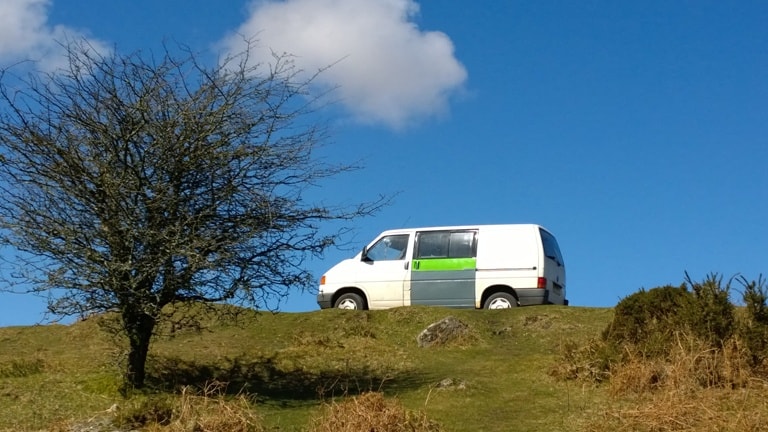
(291, 364)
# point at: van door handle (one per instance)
(407, 264)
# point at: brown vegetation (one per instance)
(676, 360)
(372, 412)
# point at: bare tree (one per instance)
(132, 184)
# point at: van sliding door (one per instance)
(443, 268)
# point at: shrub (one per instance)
(711, 315)
(754, 328)
(755, 296)
(649, 319)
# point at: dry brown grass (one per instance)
(206, 412)
(589, 362)
(690, 365)
(709, 410)
(695, 388)
(371, 412)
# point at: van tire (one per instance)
(500, 300)
(350, 301)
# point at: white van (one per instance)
(478, 266)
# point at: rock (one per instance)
(442, 332)
(451, 384)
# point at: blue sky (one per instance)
(637, 132)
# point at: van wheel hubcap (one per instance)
(500, 303)
(347, 304)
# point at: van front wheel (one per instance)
(500, 300)
(350, 301)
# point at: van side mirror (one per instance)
(364, 255)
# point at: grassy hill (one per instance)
(291, 366)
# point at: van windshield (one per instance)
(551, 248)
(388, 248)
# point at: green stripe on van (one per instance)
(443, 264)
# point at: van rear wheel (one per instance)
(501, 300)
(350, 301)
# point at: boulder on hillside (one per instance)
(442, 332)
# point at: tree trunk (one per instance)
(139, 328)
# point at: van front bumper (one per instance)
(324, 300)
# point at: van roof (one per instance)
(459, 227)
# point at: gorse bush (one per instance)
(711, 314)
(755, 296)
(649, 319)
(754, 328)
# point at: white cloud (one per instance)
(387, 69)
(26, 35)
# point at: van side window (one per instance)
(446, 244)
(462, 245)
(389, 248)
(433, 244)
